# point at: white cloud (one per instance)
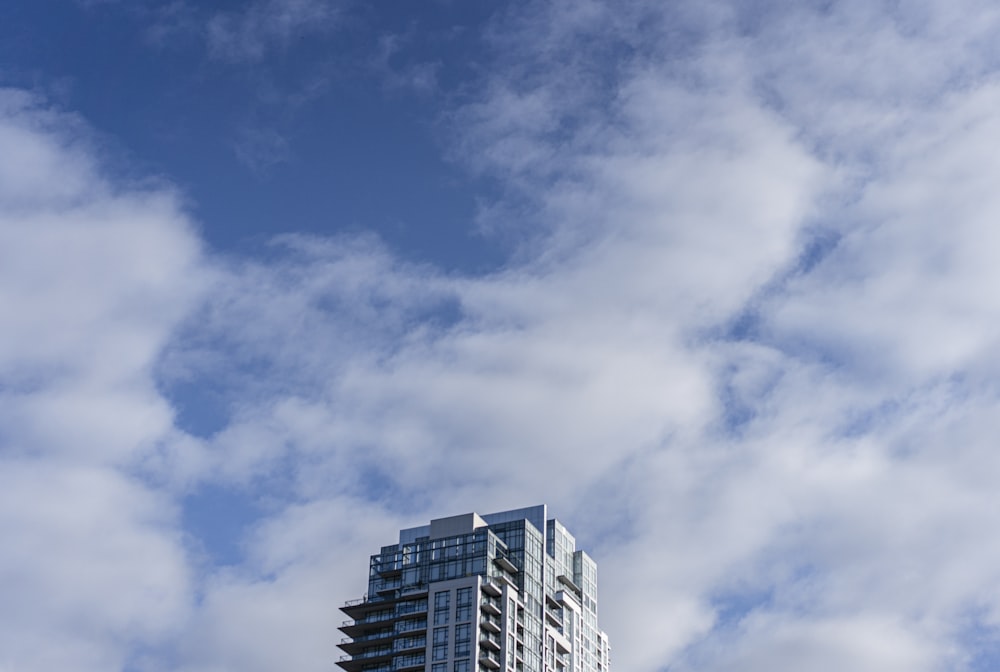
(92, 566)
(825, 467)
(861, 642)
(777, 461)
(930, 212)
(279, 610)
(93, 277)
(91, 282)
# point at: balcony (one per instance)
(492, 586)
(388, 586)
(563, 645)
(412, 625)
(490, 605)
(489, 659)
(411, 662)
(490, 623)
(506, 565)
(356, 662)
(408, 608)
(356, 644)
(489, 641)
(387, 565)
(568, 582)
(403, 644)
(386, 612)
(362, 627)
(568, 599)
(358, 608)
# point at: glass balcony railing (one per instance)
(413, 661)
(490, 623)
(490, 605)
(381, 634)
(410, 625)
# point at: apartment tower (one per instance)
(506, 591)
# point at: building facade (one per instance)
(507, 591)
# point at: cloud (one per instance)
(738, 350)
(276, 609)
(92, 567)
(929, 311)
(260, 148)
(93, 276)
(419, 77)
(248, 35)
(744, 351)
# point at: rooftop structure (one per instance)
(505, 591)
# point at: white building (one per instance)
(506, 591)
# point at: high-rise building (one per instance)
(506, 591)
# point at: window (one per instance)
(439, 667)
(441, 607)
(463, 635)
(462, 666)
(440, 635)
(439, 652)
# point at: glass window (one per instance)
(463, 596)
(440, 635)
(462, 666)
(439, 667)
(441, 607)
(439, 652)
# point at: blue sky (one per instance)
(714, 280)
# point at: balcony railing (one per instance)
(492, 586)
(369, 653)
(490, 605)
(490, 640)
(489, 659)
(416, 661)
(367, 638)
(410, 625)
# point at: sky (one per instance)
(716, 280)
